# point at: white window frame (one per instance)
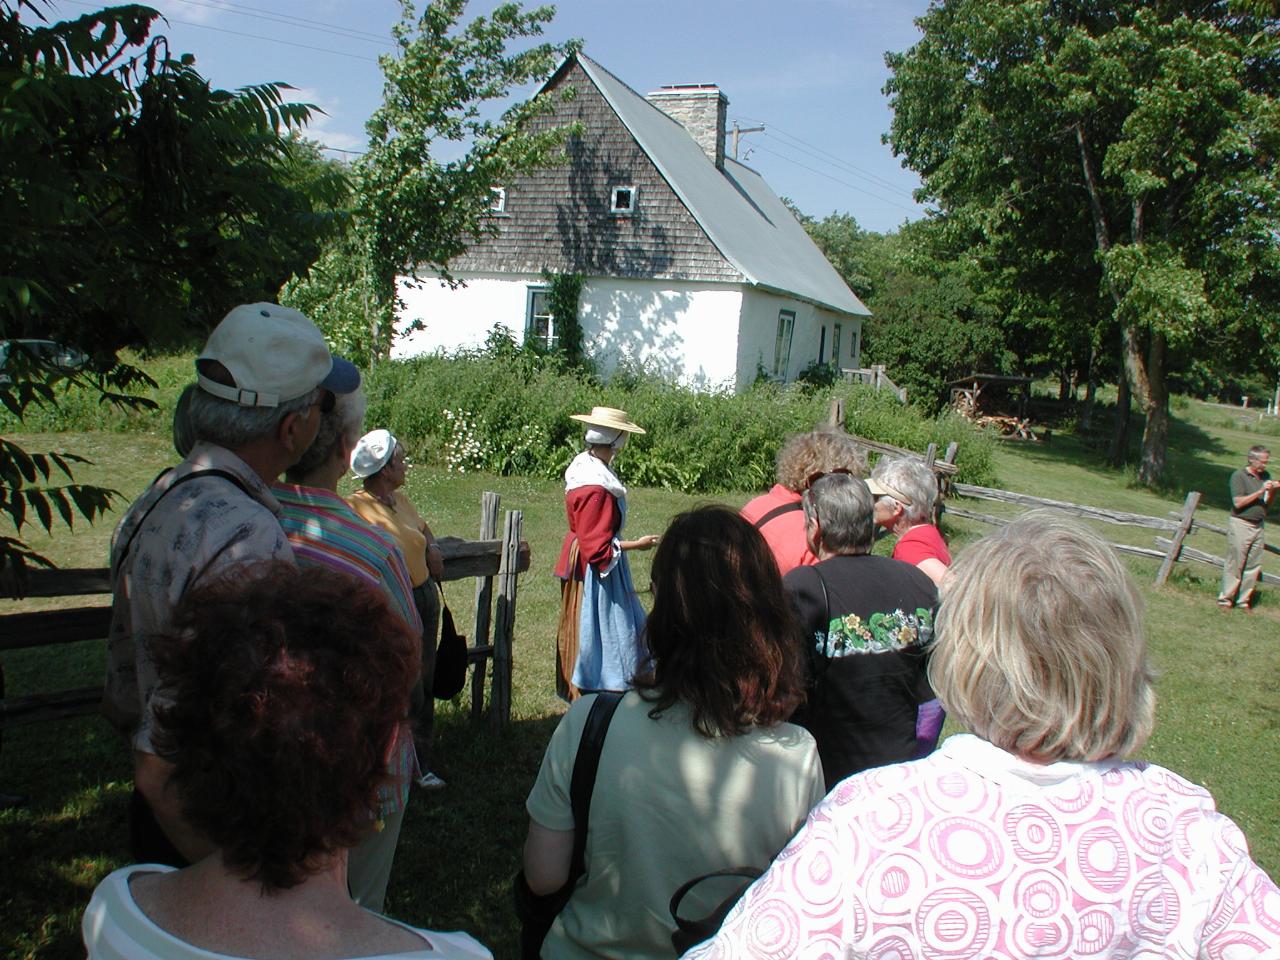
(499, 204)
(614, 196)
(551, 339)
(781, 350)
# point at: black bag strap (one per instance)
(211, 472)
(692, 932)
(585, 765)
(777, 512)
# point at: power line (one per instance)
(838, 161)
(835, 161)
(845, 183)
(320, 26)
(251, 36)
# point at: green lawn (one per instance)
(1218, 714)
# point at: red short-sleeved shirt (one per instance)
(923, 542)
(785, 532)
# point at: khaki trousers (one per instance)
(1243, 562)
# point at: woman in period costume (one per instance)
(597, 641)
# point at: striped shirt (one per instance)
(324, 531)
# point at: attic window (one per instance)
(499, 201)
(622, 200)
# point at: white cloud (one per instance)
(190, 11)
(332, 127)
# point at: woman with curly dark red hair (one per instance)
(698, 771)
(284, 691)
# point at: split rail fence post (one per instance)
(944, 481)
(1175, 542)
(504, 620)
(489, 503)
(836, 417)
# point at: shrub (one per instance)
(507, 412)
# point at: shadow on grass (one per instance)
(461, 845)
(76, 774)
(1191, 454)
(458, 850)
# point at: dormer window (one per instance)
(499, 201)
(622, 200)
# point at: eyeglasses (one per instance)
(815, 477)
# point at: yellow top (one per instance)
(401, 521)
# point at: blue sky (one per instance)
(810, 71)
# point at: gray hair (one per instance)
(845, 510)
(343, 424)
(232, 425)
(914, 480)
(1257, 452)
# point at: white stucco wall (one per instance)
(689, 333)
(461, 317)
(709, 335)
(759, 331)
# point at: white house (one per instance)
(692, 265)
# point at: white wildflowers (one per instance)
(464, 449)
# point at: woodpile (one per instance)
(1018, 428)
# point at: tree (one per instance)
(1124, 149)
(414, 208)
(137, 205)
(930, 321)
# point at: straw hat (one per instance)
(609, 418)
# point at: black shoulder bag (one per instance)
(451, 656)
(537, 912)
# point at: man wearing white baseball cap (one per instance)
(264, 377)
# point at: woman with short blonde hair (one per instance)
(1060, 676)
(1032, 836)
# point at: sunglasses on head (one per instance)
(815, 477)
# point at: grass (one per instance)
(1217, 723)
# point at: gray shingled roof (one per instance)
(740, 213)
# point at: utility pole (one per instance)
(737, 135)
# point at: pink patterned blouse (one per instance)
(973, 853)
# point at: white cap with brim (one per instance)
(372, 452)
(274, 354)
(880, 489)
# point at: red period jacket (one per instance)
(594, 520)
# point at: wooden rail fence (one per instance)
(1169, 549)
(487, 559)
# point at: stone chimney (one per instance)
(700, 107)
